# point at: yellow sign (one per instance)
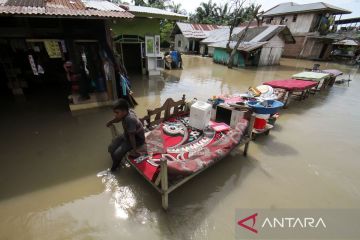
(52, 48)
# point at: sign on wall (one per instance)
(52, 48)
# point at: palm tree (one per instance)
(176, 8)
(222, 14)
(206, 13)
(139, 2)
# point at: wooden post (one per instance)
(287, 98)
(111, 82)
(164, 183)
(249, 133)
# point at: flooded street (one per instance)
(53, 184)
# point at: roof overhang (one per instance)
(160, 16)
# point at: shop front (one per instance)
(64, 56)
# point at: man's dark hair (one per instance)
(121, 105)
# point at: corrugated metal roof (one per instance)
(26, 3)
(69, 8)
(221, 34)
(193, 30)
(244, 46)
(103, 5)
(348, 20)
(347, 42)
(265, 33)
(291, 7)
(155, 11)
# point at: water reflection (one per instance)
(122, 197)
(124, 200)
(57, 194)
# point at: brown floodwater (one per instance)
(53, 183)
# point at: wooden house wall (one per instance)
(272, 51)
(303, 24)
(222, 56)
(184, 43)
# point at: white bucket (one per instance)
(263, 116)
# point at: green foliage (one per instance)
(166, 27)
(152, 3)
(232, 13)
(176, 8)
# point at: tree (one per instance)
(249, 13)
(205, 13)
(176, 8)
(239, 15)
(151, 3)
(139, 2)
(223, 13)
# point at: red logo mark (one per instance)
(242, 221)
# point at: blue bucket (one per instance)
(272, 107)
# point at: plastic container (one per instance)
(272, 106)
(200, 114)
(260, 121)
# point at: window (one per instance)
(268, 20)
(294, 18)
(282, 20)
(179, 43)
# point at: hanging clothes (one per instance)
(126, 91)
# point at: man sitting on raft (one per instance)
(132, 138)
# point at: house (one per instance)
(345, 49)
(306, 22)
(187, 36)
(38, 37)
(217, 35)
(261, 46)
(130, 36)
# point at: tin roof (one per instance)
(244, 46)
(256, 37)
(194, 30)
(265, 33)
(347, 42)
(348, 20)
(136, 10)
(102, 5)
(291, 7)
(66, 8)
(221, 34)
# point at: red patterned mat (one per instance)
(187, 150)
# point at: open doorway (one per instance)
(44, 73)
(131, 53)
(323, 50)
(5, 62)
(29, 72)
